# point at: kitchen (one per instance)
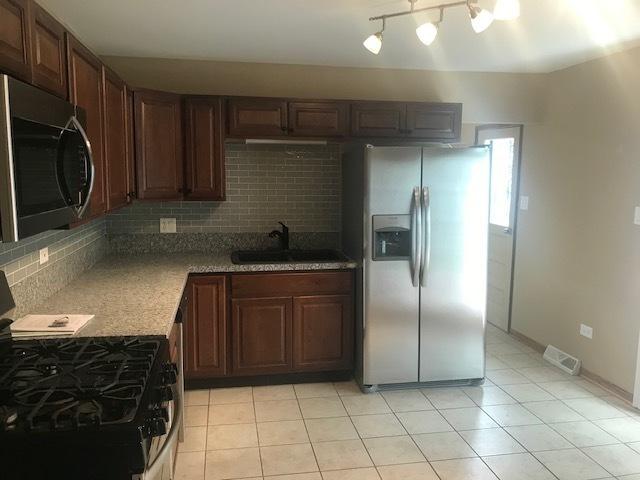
(291, 229)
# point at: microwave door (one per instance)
(40, 203)
(75, 167)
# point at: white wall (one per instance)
(578, 251)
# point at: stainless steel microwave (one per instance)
(46, 166)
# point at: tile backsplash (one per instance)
(20, 260)
(296, 184)
(70, 253)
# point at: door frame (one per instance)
(520, 127)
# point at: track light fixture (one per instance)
(481, 19)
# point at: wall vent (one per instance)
(562, 360)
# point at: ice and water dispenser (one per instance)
(391, 237)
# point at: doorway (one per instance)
(506, 142)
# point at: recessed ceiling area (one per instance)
(550, 34)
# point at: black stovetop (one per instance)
(82, 405)
(64, 384)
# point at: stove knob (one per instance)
(169, 374)
(163, 394)
(156, 427)
(160, 413)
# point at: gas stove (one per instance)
(85, 408)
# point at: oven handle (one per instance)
(89, 166)
(155, 467)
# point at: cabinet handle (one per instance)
(283, 128)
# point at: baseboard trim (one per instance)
(592, 377)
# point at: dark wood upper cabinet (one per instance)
(260, 117)
(15, 40)
(205, 327)
(116, 138)
(378, 119)
(318, 119)
(131, 154)
(434, 121)
(204, 149)
(261, 335)
(323, 332)
(159, 145)
(86, 91)
(48, 49)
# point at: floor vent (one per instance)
(562, 360)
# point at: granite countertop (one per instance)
(139, 295)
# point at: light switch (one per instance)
(524, 202)
(636, 216)
(167, 225)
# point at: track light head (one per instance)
(373, 43)
(427, 33)
(481, 19)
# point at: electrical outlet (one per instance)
(44, 255)
(586, 331)
(524, 202)
(636, 216)
(167, 225)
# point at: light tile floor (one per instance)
(529, 421)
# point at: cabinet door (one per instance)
(48, 52)
(434, 121)
(378, 119)
(86, 91)
(261, 335)
(204, 166)
(115, 134)
(257, 117)
(323, 332)
(15, 53)
(318, 119)
(159, 145)
(205, 328)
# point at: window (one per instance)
(501, 180)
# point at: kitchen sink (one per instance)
(245, 257)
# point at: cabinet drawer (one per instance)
(290, 284)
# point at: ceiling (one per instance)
(550, 34)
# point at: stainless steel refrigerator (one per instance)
(417, 219)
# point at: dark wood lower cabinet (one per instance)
(323, 332)
(205, 328)
(261, 335)
(279, 323)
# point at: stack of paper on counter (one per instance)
(48, 325)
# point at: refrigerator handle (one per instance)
(416, 240)
(426, 236)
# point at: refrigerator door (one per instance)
(392, 226)
(455, 200)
